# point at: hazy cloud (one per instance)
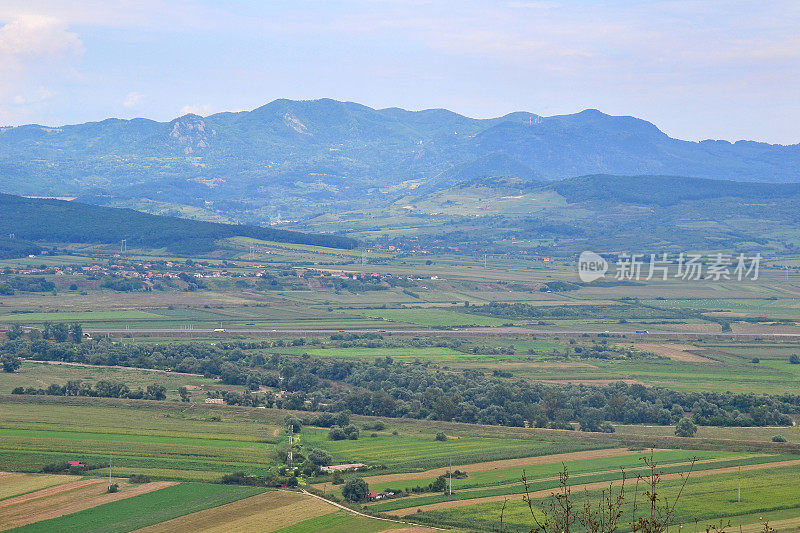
(132, 100)
(202, 110)
(34, 50)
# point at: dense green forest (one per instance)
(30, 219)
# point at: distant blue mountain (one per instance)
(330, 151)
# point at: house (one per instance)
(75, 463)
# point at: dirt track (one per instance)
(504, 463)
(585, 486)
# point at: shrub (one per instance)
(778, 438)
(113, 488)
(755, 360)
(441, 437)
(349, 432)
(10, 363)
(320, 457)
(685, 428)
(355, 490)
(794, 359)
(296, 423)
(140, 478)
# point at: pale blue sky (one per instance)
(697, 69)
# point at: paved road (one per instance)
(433, 332)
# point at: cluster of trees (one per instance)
(389, 388)
(10, 284)
(123, 284)
(10, 363)
(348, 432)
(101, 389)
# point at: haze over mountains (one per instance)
(330, 148)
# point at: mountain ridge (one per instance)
(291, 156)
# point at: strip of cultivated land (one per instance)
(66, 498)
(544, 480)
(769, 492)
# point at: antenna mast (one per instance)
(291, 437)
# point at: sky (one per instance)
(698, 69)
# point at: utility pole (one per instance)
(484, 261)
(110, 460)
(451, 476)
(739, 500)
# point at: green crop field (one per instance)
(168, 441)
(146, 509)
(706, 499)
(418, 452)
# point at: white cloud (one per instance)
(35, 37)
(132, 100)
(39, 95)
(34, 50)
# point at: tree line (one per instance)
(388, 388)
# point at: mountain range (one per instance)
(293, 157)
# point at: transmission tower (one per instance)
(291, 437)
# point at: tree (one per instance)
(294, 422)
(60, 332)
(794, 359)
(15, 332)
(156, 392)
(10, 363)
(320, 457)
(184, 392)
(441, 437)
(685, 428)
(76, 332)
(355, 489)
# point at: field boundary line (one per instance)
(449, 504)
(358, 513)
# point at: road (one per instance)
(434, 332)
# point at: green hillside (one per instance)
(53, 221)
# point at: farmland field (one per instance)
(499, 328)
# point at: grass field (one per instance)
(706, 499)
(164, 440)
(417, 452)
(145, 509)
(41, 375)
